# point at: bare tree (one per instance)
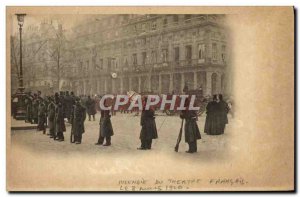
(57, 51)
(29, 57)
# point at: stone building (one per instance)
(150, 53)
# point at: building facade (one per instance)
(150, 53)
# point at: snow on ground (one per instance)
(126, 137)
(39, 158)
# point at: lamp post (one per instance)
(21, 111)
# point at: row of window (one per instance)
(113, 63)
(142, 26)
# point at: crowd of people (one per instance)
(54, 111)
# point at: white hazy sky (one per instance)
(68, 21)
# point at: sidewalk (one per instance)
(21, 125)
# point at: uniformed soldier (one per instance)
(106, 130)
(68, 105)
(39, 94)
(78, 117)
(41, 116)
(191, 130)
(91, 108)
(51, 116)
(62, 102)
(59, 120)
(72, 95)
(46, 102)
(35, 106)
(148, 131)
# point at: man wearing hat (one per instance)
(106, 130)
(78, 117)
(68, 105)
(35, 106)
(41, 116)
(91, 107)
(148, 131)
(39, 94)
(51, 115)
(191, 130)
(62, 102)
(59, 120)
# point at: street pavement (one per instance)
(38, 159)
(126, 137)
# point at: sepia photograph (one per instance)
(139, 99)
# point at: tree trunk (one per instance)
(58, 72)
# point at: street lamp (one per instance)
(21, 111)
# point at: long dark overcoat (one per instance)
(148, 124)
(68, 105)
(191, 129)
(224, 109)
(59, 119)
(41, 116)
(78, 118)
(51, 115)
(91, 106)
(212, 122)
(106, 129)
(35, 109)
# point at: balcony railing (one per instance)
(148, 67)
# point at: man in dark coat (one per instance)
(191, 130)
(72, 100)
(106, 130)
(148, 131)
(39, 94)
(78, 117)
(212, 123)
(35, 106)
(59, 121)
(51, 116)
(68, 105)
(91, 108)
(62, 102)
(72, 96)
(222, 113)
(46, 102)
(97, 101)
(42, 116)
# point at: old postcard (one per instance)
(150, 99)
